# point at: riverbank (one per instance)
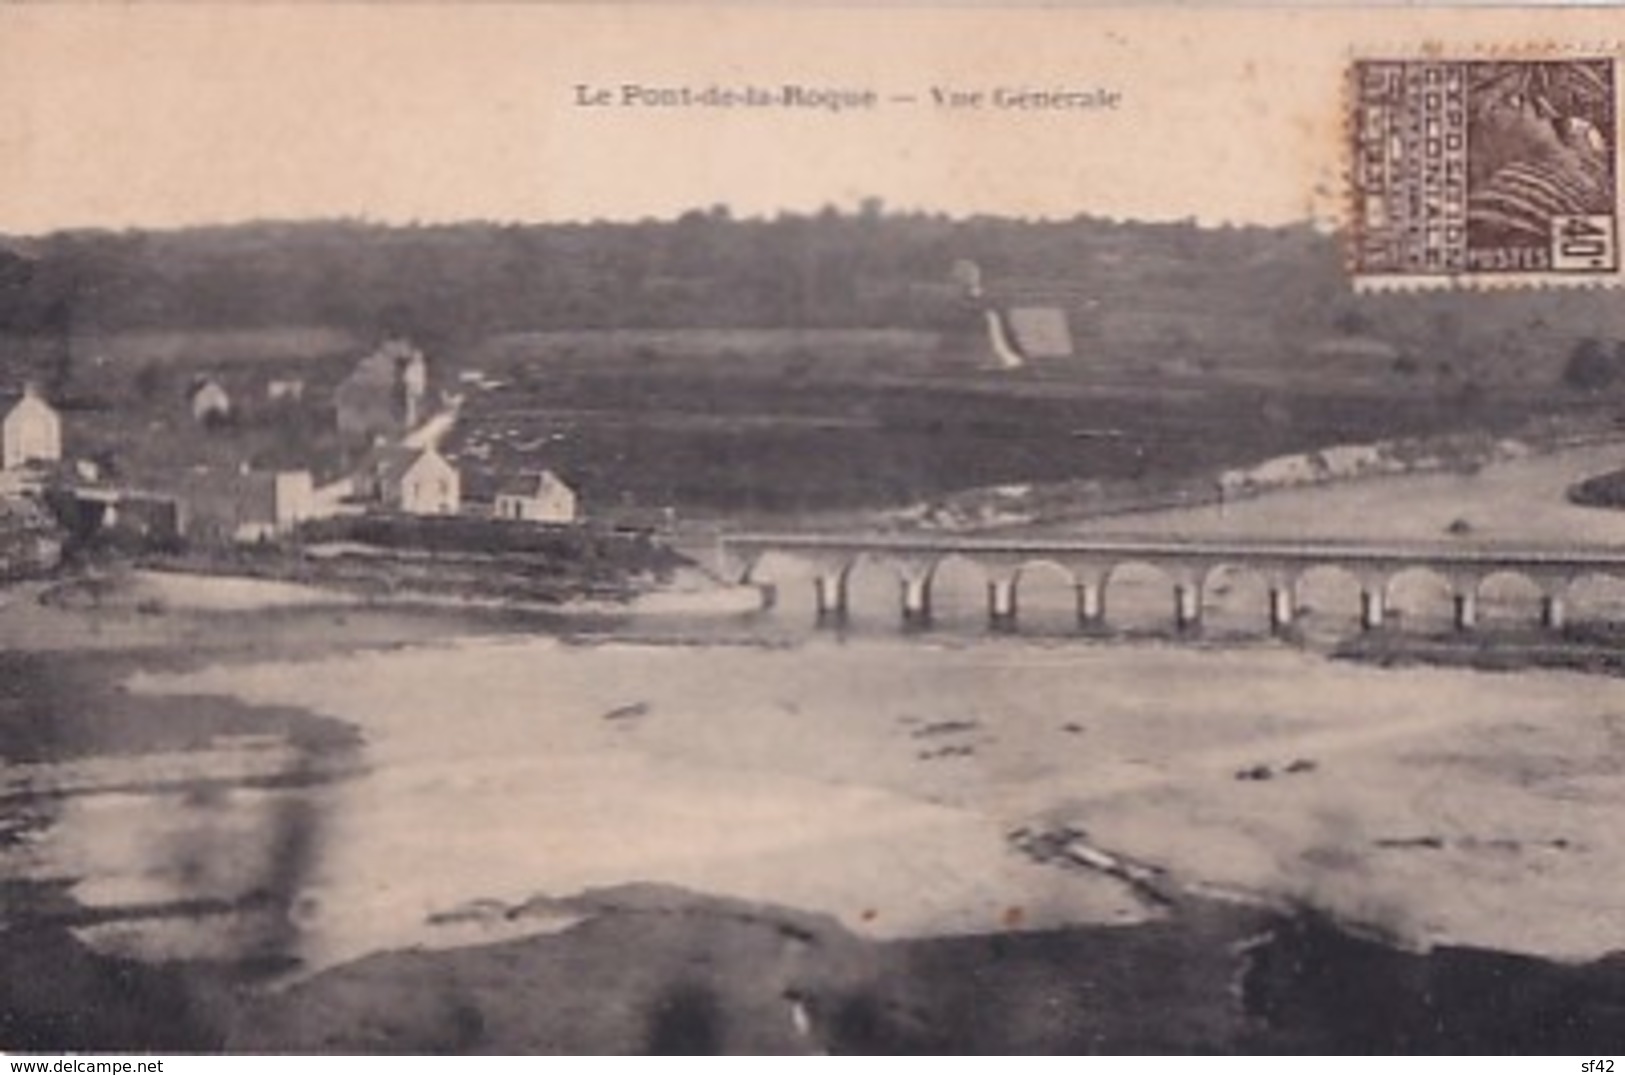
(1211, 978)
(1521, 501)
(1591, 648)
(439, 559)
(1329, 473)
(722, 976)
(123, 608)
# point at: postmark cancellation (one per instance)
(1481, 172)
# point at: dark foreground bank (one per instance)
(657, 970)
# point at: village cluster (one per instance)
(383, 407)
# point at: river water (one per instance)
(880, 779)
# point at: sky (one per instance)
(124, 115)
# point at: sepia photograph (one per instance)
(697, 529)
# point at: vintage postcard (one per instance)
(914, 529)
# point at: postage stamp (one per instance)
(1468, 171)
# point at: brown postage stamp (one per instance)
(1469, 172)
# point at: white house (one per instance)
(418, 481)
(209, 401)
(538, 498)
(32, 432)
(285, 389)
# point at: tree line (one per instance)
(703, 269)
(455, 283)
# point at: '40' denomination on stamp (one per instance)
(1468, 170)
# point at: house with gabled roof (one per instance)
(208, 401)
(417, 481)
(31, 432)
(539, 497)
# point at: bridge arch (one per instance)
(1596, 597)
(791, 580)
(957, 590)
(1326, 598)
(1047, 594)
(1138, 595)
(1236, 597)
(773, 567)
(1508, 596)
(1421, 598)
(872, 585)
(1042, 567)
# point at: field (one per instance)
(192, 347)
(757, 348)
(730, 437)
(124, 396)
(758, 422)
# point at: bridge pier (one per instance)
(1373, 607)
(1187, 606)
(831, 591)
(1091, 606)
(1001, 604)
(1552, 613)
(916, 603)
(1466, 610)
(1283, 606)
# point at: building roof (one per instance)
(1041, 331)
(391, 464)
(203, 384)
(534, 484)
(29, 395)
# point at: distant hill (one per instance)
(1271, 300)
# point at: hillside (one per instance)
(786, 365)
(1257, 300)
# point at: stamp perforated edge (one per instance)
(1549, 49)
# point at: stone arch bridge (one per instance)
(1191, 565)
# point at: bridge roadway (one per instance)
(1092, 562)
